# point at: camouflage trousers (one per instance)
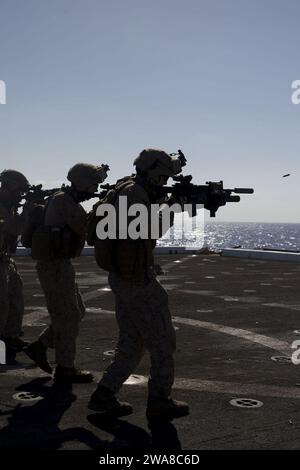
(11, 299)
(65, 307)
(145, 323)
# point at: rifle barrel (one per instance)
(243, 190)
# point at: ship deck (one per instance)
(232, 318)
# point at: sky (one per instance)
(97, 81)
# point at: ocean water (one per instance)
(252, 235)
(218, 235)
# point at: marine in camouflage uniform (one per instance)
(13, 185)
(66, 219)
(142, 310)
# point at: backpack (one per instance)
(36, 235)
(105, 250)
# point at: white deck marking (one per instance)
(247, 300)
(37, 315)
(250, 300)
(41, 312)
(263, 340)
(288, 307)
(34, 307)
(99, 311)
(169, 286)
(94, 294)
(226, 298)
(230, 299)
(237, 388)
(197, 292)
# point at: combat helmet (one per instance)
(154, 163)
(15, 179)
(85, 175)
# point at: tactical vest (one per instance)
(9, 241)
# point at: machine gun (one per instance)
(212, 194)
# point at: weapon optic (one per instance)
(105, 188)
(181, 157)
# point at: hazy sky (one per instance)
(99, 80)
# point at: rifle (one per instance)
(37, 194)
(212, 194)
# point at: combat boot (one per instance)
(67, 375)
(159, 408)
(15, 344)
(37, 352)
(104, 401)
